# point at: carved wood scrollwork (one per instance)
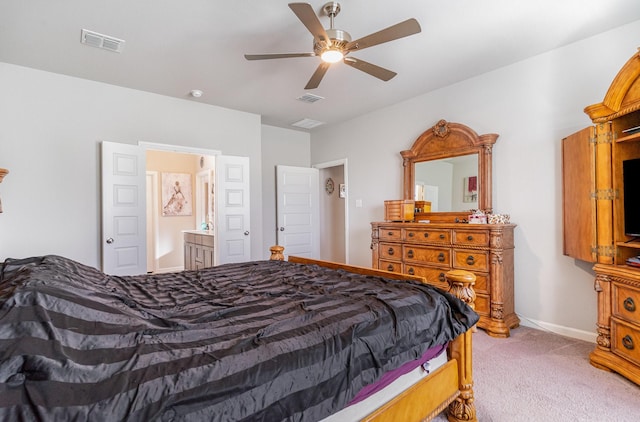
(463, 407)
(497, 310)
(495, 240)
(441, 129)
(604, 337)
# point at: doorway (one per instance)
(334, 211)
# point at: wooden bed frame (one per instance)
(451, 385)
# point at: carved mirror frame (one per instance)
(446, 140)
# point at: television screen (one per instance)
(631, 180)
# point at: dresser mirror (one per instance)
(450, 166)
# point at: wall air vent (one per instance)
(309, 98)
(307, 123)
(101, 41)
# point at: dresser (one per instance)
(619, 339)
(198, 249)
(430, 250)
(600, 212)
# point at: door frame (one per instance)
(180, 149)
(152, 213)
(337, 163)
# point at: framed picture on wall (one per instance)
(176, 194)
(470, 189)
(342, 190)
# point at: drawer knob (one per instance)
(390, 251)
(441, 277)
(441, 236)
(426, 234)
(411, 271)
(441, 257)
(469, 237)
(470, 260)
(410, 234)
(410, 253)
(629, 304)
(627, 342)
(390, 234)
(390, 267)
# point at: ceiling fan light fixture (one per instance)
(332, 55)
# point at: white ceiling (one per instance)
(174, 46)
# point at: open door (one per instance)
(232, 213)
(297, 203)
(123, 209)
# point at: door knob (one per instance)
(110, 240)
(246, 233)
(281, 229)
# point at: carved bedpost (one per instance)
(463, 407)
(276, 253)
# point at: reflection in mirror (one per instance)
(449, 184)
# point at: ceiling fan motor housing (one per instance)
(339, 39)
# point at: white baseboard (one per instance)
(559, 329)
(168, 270)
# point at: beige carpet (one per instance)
(540, 376)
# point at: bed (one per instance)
(273, 340)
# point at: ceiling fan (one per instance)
(333, 45)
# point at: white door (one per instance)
(123, 209)
(232, 210)
(297, 190)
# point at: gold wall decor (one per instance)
(3, 172)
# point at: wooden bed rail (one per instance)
(461, 406)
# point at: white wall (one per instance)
(50, 130)
(279, 147)
(532, 105)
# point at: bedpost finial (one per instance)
(276, 253)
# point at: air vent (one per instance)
(101, 41)
(307, 123)
(310, 98)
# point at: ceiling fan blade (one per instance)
(317, 75)
(371, 69)
(277, 56)
(400, 30)
(308, 17)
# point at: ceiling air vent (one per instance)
(102, 41)
(309, 98)
(307, 123)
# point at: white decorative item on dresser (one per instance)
(437, 238)
(600, 212)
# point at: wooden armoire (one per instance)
(594, 217)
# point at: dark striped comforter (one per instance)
(259, 341)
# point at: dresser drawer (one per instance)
(482, 283)
(427, 235)
(393, 266)
(482, 305)
(434, 276)
(626, 303)
(625, 340)
(471, 237)
(471, 260)
(436, 256)
(390, 251)
(389, 234)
